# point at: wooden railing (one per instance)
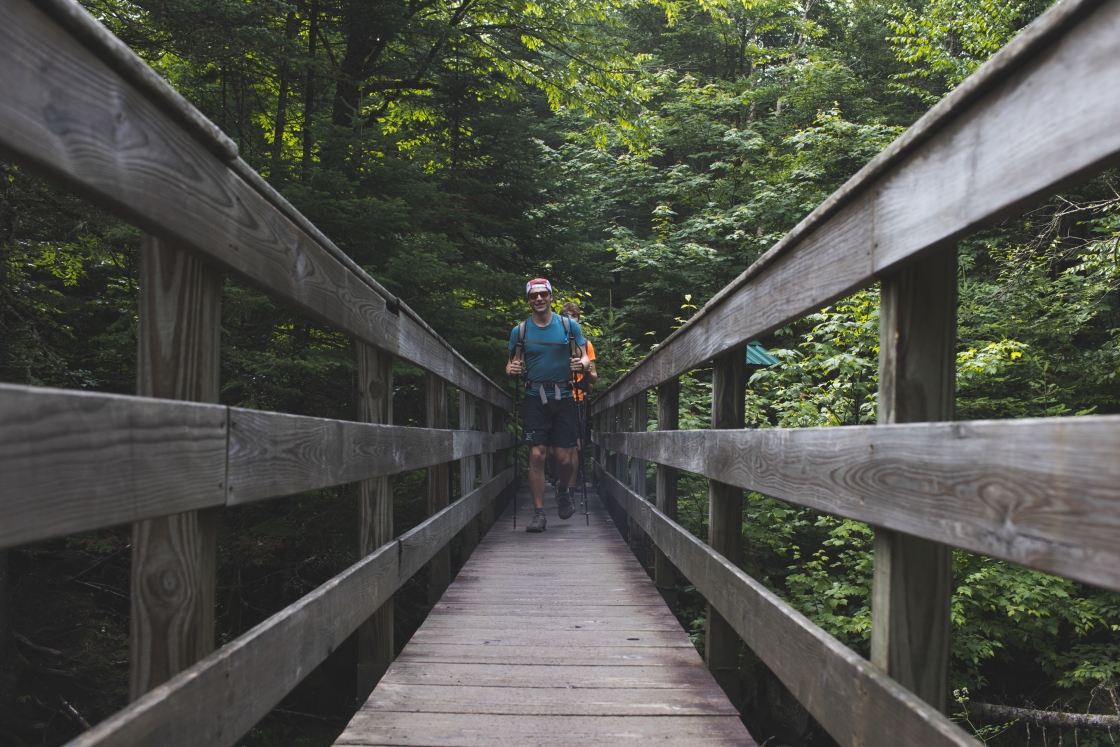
(81, 109)
(1039, 115)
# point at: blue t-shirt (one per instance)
(546, 353)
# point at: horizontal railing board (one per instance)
(1043, 493)
(69, 116)
(216, 701)
(995, 144)
(150, 457)
(79, 461)
(273, 454)
(852, 699)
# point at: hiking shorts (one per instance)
(551, 423)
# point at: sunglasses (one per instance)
(539, 294)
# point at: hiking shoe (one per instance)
(537, 524)
(564, 503)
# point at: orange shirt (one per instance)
(579, 394)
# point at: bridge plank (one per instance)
(545, 676)
(461, 730)
(510, 665)
(1043, 493)
(219, 699)
(874, 711)
(993, 146)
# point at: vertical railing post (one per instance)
(486, 423)
(467, 471)
(638, 423)
(913, 577)
(375, 516)
(439, 488)
(668, 419)
(174, 557)
(725, 516)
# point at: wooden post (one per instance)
(486, 422)
(375, 517)
(668, 419)
(5, 622)
(439, 489)
(638, 422)
(725, 516)
(173, 557)
(913, 578)
(467, 471)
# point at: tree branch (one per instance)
(1043, 718)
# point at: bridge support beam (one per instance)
(439, 489)
(173, 557)
(638, 422)
(375, 517)
(913, 578)
(725, 516)
(668, 419)
(468, 471)
(486, 462)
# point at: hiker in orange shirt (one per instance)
(584, 382)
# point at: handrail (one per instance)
(816, 667)
(990, 147)
(114, 132)
(1043, 493)
(216, 701)
(79, 461)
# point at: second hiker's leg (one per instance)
(537, 455)
(566, 466)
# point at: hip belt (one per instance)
(542, 391)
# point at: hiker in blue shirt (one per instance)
(548, 349)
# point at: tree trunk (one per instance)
(290, 27)
(309, 87)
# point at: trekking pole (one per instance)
(516, 449)
(582, 467)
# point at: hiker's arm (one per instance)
(592, 374)
(582, 364)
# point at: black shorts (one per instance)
(551, 424)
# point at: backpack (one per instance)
(573, 348)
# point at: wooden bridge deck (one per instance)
(557, 638)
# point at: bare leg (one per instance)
(565, 466)
(537, 455)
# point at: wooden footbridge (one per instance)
(534, 643)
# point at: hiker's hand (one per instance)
(515, 367)
(577, 364)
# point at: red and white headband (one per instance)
(538, 284)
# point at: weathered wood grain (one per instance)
(638, 421)
(668, 419)
(468, 469)
(1015, 132)
(875, 711)
(546, 677)
(273, 454)
(459, 730)
(375, 516)
(1043, 493)
(542, 633)
(725, 516)
(438, 486)
(912, 594)
(77, 461)
(71, 117)
(220, 698)
(173, 578)
(514, 699)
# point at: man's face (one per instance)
(540, 300)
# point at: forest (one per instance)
(640, 154)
